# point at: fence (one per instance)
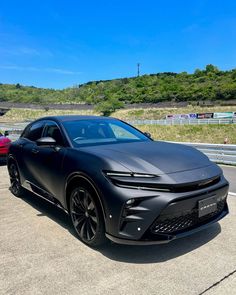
(183, 122)
(219, 153)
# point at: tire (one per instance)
(86, 215)
(16, 188)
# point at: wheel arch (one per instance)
(74, 180)
(11, 159)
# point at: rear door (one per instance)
(28, 151)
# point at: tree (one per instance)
(211, 69)
(18, 86)
(198, 73)
(106, 107)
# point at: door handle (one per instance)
(34, 151)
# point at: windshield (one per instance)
(99, 131)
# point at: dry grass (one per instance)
(20, 115)
(190, 133)
(183, 133)
(160, 113)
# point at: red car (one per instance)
(4, 145)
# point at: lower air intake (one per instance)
(177, 224)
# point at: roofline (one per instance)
(65, 118)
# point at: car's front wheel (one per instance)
(86, 215)
(15, 187)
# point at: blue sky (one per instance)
(57, 44)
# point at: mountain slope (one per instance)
(208, 84)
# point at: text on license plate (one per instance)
(207, 206)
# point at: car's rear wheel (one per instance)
(15, 187)
(86, 215)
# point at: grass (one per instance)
(160, 113)
(20, 115)
(192, 133)
(182, 133)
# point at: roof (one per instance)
(74, 118)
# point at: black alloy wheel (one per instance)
(16, 187)
(86, 216)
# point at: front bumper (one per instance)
(168, 238)
(134, 226)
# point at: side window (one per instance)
(34, 131)
(52, 130)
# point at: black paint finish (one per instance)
(154, 175)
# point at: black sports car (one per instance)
(115, 181)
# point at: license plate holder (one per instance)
(207, 206)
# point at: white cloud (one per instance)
(25, 51)
(35, 69)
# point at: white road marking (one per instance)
(232, 194)
(228, 166)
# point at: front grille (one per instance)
(152, 184)
(187, 221)
(195, 186)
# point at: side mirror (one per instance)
(148, 134)
(6, 133)
(46, 141)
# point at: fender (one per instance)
(84, 176)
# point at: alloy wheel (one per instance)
(84, 214)
(15, 179)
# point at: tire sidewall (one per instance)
(19, 192)
(99, 237)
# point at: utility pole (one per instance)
(138, 66)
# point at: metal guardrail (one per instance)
(218, 153)
(183, 122)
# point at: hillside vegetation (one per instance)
(210, 84)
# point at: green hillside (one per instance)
(209, 84)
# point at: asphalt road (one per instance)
(230, 175)
(39, 254)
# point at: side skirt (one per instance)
(42, 194)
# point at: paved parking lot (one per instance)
(230, 174)
(39, 254)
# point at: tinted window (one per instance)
(52, 130)
(34, 131)
(99, 131)
(122, 133)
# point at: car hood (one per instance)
(155, 157)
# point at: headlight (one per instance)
(134, 180)
(125, 174)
